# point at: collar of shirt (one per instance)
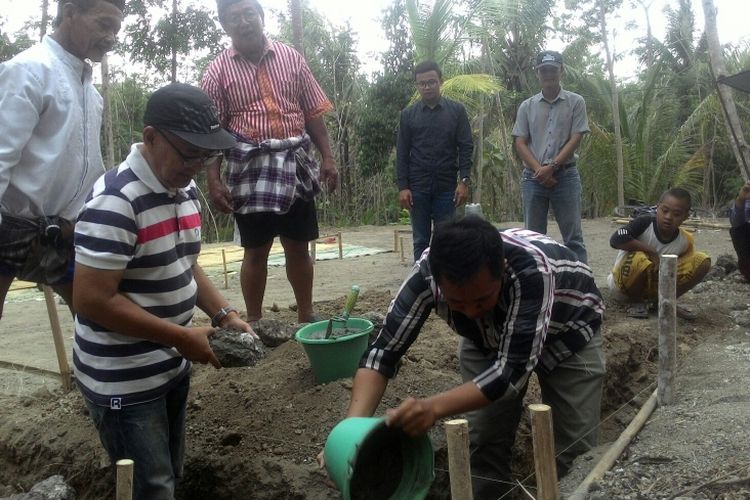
(560, 96)
(142, 169)
(440, 104)
(267, 49)
(77, 65)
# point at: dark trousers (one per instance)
(741, 241)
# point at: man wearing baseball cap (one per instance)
(549, 127)
(136, 284)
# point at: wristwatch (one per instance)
(219, 316)
(466, 181)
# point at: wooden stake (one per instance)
(124, 479)
(614, 451)
(54, 321)
(544, 452)
(224, 261)
(401, 240)
(395, 241)
(341, 246)
(313, 244)
(667, 328)
(459, 468)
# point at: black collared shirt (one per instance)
(433, 144)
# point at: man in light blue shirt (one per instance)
(548, 129)
(49, 150)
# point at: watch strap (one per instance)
(219, 316)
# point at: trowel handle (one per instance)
(350, 301)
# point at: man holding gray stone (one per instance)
(136, 284)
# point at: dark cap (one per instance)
(188, 113)
(549, 58)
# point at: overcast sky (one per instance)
(363, 16)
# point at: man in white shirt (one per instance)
(49, 150)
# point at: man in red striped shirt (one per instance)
(269, 100)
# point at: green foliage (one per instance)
(12, 45)
(163, 42)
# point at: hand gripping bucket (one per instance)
(335, 357)
(368, 460)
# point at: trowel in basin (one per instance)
(348, 306)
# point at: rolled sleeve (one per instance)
(403, 322)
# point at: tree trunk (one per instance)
(615, 105)
(731, 118)
(174, 29)
(109, 137)
(295, 12)
(45, 19)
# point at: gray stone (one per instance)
(273, 332)
(52, 488)
(235, 348)
(716, 273)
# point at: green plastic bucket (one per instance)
(368, 460)
(336, 357)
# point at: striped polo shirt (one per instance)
(132, 223)
(549, 308)
(270, 100)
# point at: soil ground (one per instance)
(253, 433)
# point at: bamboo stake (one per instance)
(341, 246)
(54, 321)
(459, 468)
(667, 328)
(403, 258)
(313, 249)
(124, 479)
(395, 240)
(224, 261)
(614, 451)
(544, 452)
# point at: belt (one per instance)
(567, 166)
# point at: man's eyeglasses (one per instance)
(206, 160)
(248, 17)
(428, 84)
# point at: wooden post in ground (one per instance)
(459, 468)
(224, 261)
(54, 322)
(544, 452)
(124, 489)
(395, 241)
(403, 257)
(667, 328)
(313, 244)
(341, 246)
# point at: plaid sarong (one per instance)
(38, 249)
(269, 176)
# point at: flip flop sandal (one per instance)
(637, 311)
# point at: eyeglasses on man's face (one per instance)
(205, 160)
(427, 84)
(244, 17)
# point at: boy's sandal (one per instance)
(638, 310)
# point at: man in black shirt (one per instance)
(434, 151)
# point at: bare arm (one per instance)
(96, 296)
(543, 173)
(316, 127)
(416, 416)
(367, 391)
(211, 301)
(567, 151)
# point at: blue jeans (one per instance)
(429, 208)
(565, 198)
(152, 435)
